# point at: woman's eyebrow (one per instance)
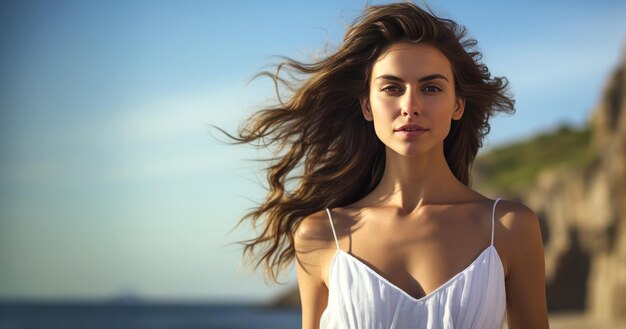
(426, 78)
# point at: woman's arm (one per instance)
(311, 247)
(525, 281)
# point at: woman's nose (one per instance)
(411, 106)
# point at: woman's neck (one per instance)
(409, 182)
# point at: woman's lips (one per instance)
(411, 133)
(410, 130)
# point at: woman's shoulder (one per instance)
(519, 230)
(316, 231)
(516, 217)
(314, 242)
(313, 229)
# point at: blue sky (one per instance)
(110, 182)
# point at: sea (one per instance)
(68, 315)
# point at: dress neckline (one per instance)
(393, 286)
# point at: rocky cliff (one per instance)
(584, 215)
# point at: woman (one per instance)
(377, 140)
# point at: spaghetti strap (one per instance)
(493, 219)
(330, 218)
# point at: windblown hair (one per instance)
(321, 139)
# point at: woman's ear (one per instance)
(366, 109)
(459, 108)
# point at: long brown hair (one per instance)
(326, 153)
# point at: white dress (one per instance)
(360, 298)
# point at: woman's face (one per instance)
(412, 98)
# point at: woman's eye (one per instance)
(391, 89)
(432, 89)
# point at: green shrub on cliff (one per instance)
(513, 168)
